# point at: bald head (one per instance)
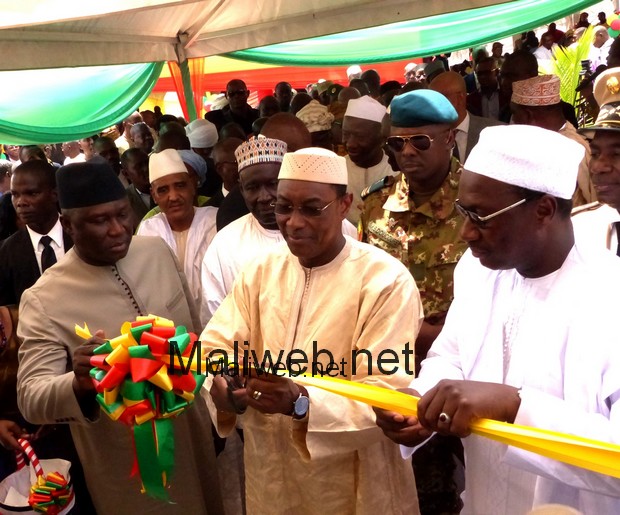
(134, 117)
(600, 36)
(452, 86)
(225, 161)
(347, 94)
(288, 128)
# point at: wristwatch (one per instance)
(300, 406)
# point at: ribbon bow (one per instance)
(134, 386)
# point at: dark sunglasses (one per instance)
(238, 92)
(420, 142)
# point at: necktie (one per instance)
(455, 150)
(48, 257)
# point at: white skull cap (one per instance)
(314, 165)
(529, 157)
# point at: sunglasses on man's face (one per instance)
(237, 92)
(420, 142)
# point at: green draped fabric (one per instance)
(417, 38)
(65, 104)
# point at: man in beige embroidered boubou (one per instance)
(308, 451)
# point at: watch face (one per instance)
(301, 406)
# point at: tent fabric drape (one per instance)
(177, 79)
(188, 78)
(417, 38)
(197, 74)
(66, 104)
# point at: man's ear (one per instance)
(345, 204)
(451, 138)
(65, 221)
(546, 209)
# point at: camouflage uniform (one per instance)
(425, 238)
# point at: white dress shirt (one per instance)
(57, 242)
(460, 135)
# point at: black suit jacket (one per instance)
(18, 266)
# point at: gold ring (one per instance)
(256, 395)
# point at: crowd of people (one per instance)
(436, 236)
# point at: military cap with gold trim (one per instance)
(607, 95)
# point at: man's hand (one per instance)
(451, 406)
(269, 393)
(404, 430)
(229, 394)
(82, 383)
(9, 433)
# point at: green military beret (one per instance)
(421, 107)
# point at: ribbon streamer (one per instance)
(134, 386)
(601, 457)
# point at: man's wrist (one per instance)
(301, 404)
(86, 398)
(516, 404)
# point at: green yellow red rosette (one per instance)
(134, 386)
(50, 494)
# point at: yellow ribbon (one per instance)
(602, 457)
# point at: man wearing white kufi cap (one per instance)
(521, 344)
(244, 239)
(188, 230)
(364, 129)
(309, 450)
(536, 101)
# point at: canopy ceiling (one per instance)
(60, 33)
(40, 37)
(419, 37)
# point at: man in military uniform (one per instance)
(413, 218)
(597, 225)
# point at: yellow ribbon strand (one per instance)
(602, 457)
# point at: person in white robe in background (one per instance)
(365, 127)
(188, 230)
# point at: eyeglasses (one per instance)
(420, 142)
(282, 208)
(237, 92)
(480, 221)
